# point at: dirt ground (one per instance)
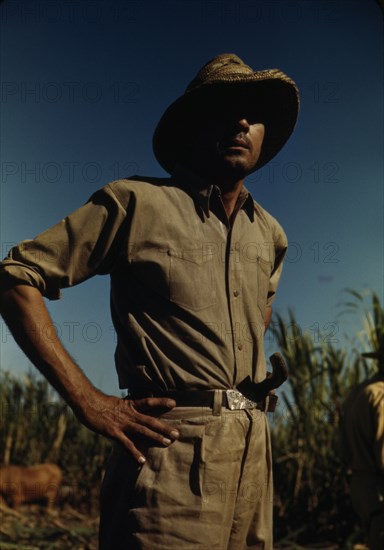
(34, 528)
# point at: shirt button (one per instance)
(236, 293)
(240, 346)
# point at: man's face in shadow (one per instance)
(225, 144)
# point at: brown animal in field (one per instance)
(19, 484)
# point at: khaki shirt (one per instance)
(188, 289)
(363, 427)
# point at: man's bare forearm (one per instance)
(24, 311)
(26, 315)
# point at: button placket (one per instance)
(234, 281)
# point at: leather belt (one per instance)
(231, 399)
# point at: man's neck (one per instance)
(230, 196)
(230, 188)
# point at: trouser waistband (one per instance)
(230, 399)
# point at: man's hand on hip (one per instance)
(24, 311)
(128, 421)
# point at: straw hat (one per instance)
(270, 95)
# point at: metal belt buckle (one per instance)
(237, 401)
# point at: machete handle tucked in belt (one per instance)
(260, 390)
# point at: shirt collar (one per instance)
(203, 191)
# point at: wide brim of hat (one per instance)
(273, 101)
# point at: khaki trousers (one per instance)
(211, 489)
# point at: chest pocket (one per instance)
(191, 279)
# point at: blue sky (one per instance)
(83, 84)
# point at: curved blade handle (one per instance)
(279, 371)
(259, 391)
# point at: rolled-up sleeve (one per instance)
(83, 244)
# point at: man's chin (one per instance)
(236, 165)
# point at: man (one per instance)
(363, 439)
(194, 263)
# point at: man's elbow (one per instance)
(17, 295)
